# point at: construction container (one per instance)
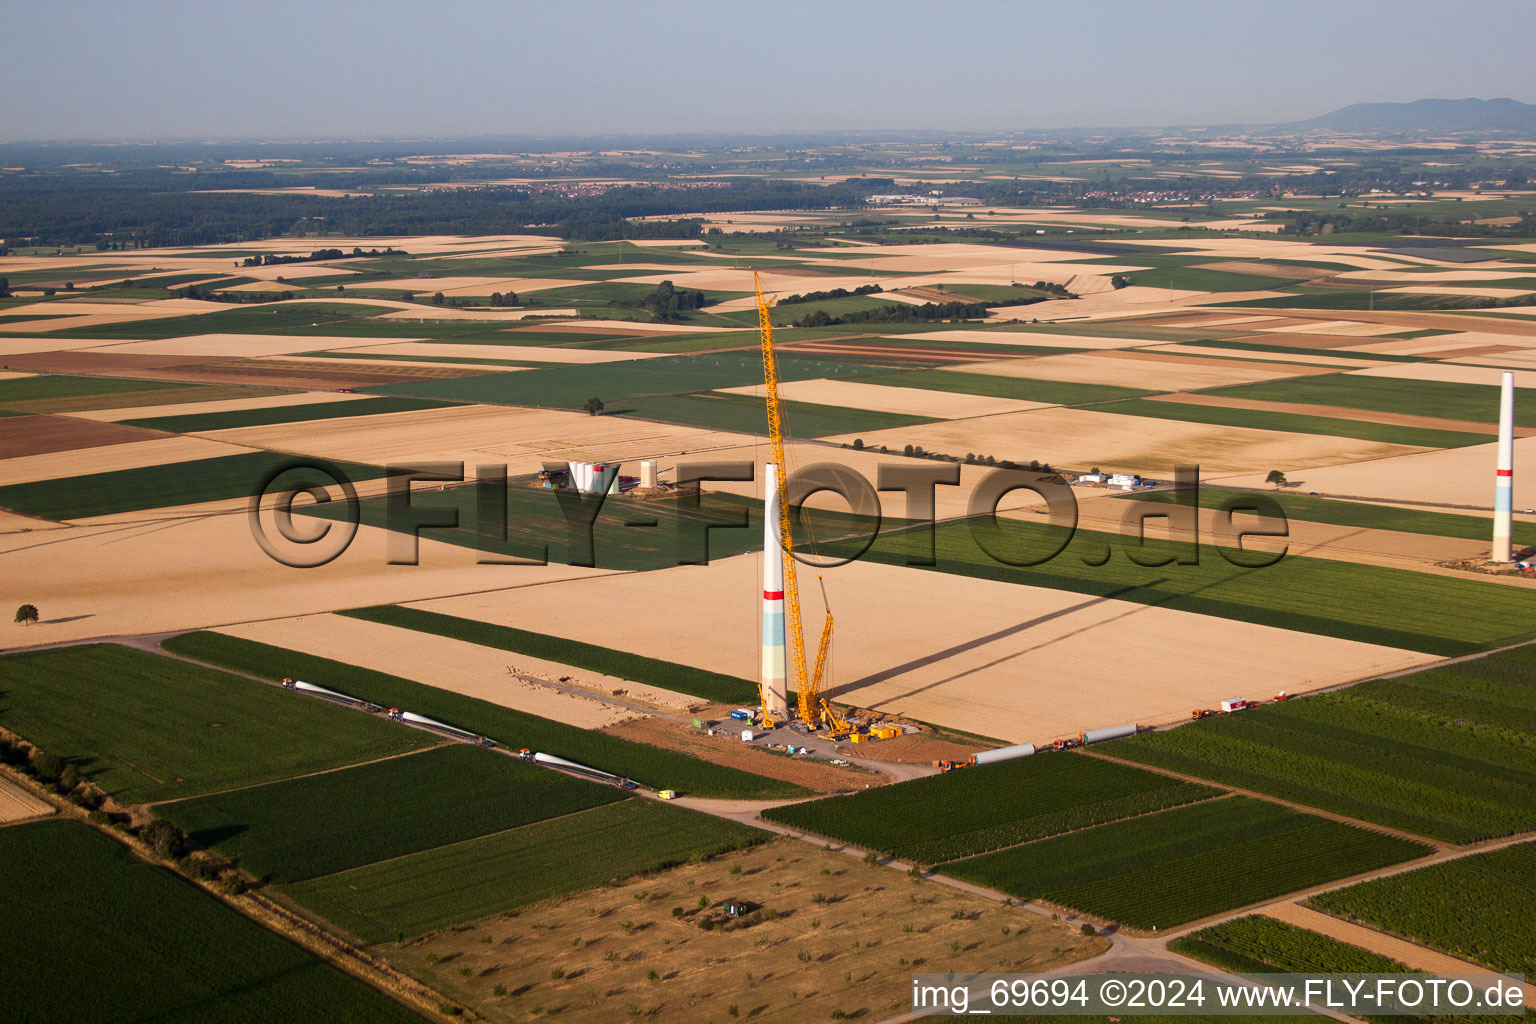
(1112, 732)
(743, 714)
(1003, 753)
(667, 794)
(698, 723)
(746, 736)
(1235, 704)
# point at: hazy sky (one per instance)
(212, 68)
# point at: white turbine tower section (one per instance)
(1504, 484)
(775, 690)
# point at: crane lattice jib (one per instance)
(796, 634)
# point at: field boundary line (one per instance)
(1436, 844)
(459, 842)
(290, 778)
(1085, 828)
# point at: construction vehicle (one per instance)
(575, 768)
(335, 696)
(814, 711)
(443, 728)
(1200, 713)
(1066, 744)
(1282, 695)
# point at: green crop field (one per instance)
(201, 422)
(147, 727)
(1373, 604)
(652, 766)
(1239, 347)
(1445, 753)
(568, 387)
(168, 485)
(53, 393)
(998, 386)
(264, 319)
(1175, 866)
(1369, 299)
(1199, 279)
(712, 686)
(1480, 908)
(502, 872)
(1259, 419)
(1474, 403)
(1260, 945)
(1357, 513)
(532, 525)
(92, 933)
(321, 824)
(978, 809)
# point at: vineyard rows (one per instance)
(988, 807)
(1480, 908)
(1181, 865)
(1449, 754)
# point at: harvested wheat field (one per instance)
(608, 944)
(949, 501)
(16, 804)
(1309, 358)
(1445, 344)
(159, 451)
(1338, 412)
(1459, 478)
(163, 575)
(1348, 328)
(1004, 336)
(1149, 371)
(989, 658)
(484, 433)
(883, 398)
(1080, 438)
(485, 673)
(1099, 510)
(1456, 373)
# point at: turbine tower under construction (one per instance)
(775, 691)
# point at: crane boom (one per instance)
(811, 705)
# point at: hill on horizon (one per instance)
(1431, 115)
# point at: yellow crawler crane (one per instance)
(813, 709)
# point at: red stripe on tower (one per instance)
(773, 595)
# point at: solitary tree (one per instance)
(26, 614)
(858, 444)
(1275, 477)
(593, 406)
